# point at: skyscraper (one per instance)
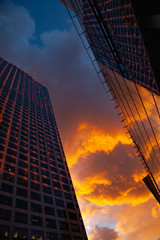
(37, 198)
(124, 36)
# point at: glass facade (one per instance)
(37, 198)
(118, 40)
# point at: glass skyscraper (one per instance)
(124, 37)
(37, 198)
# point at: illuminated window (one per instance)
(37, 235)
(4, 232)
(20, 233)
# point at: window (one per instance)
(5, 214)
(20, 233)
(4, 231)
(50, 223)
(10, 159)
(8, 177)
(21, 217)
(68, 196)
(21, 204)
(75, 227)
(65, 237)
(57, 193)
(61, 213)
(77, 238)
(36, 207)
(59, 203)
(5, 200)
(63, 225)
(22, 181)
(65, 187)
(46, 180)
(49, 211)
(35, 220)
(48, 199)
(72, 215)
(35, 186)
(56, 184)
(9, 168)
(7, 188)
(47, 190)
(22, 192)
(37, 235)
(22, 172)
(22, 164)
(52, 236)
(35, 196)
(70, 205)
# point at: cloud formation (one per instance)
(103, 233)
(104, 169)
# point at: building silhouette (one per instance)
(124, 37)
(37, 198)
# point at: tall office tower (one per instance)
(37, 199)
(124, 36)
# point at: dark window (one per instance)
(68, 196)
(75, 227)
(35, 186)
(10, 151)
(10, 159)
(63, 173)
(77, 238)
(48, 199)
(52, 236)
(35, 196)
(65, 180)
(23, 164)
(65, 187)
(21, 217)
(70, 205)
(61, 213)
(35, 220)
(22, 172)
(59, 203)
(49, 211)
(22, 192)
(46, 180)
(63, 225)
(36, 207)
(22, 181)
(65, 237)
(34, 169)
(47, 190)
(72, 215)
(21, 204)
(8, 177)
(56, 184)
(50, 223)
(7, 188)
(5, 200)
(57, 193)
(5, 214)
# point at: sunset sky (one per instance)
(115, 204)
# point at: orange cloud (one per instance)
(90, 139)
